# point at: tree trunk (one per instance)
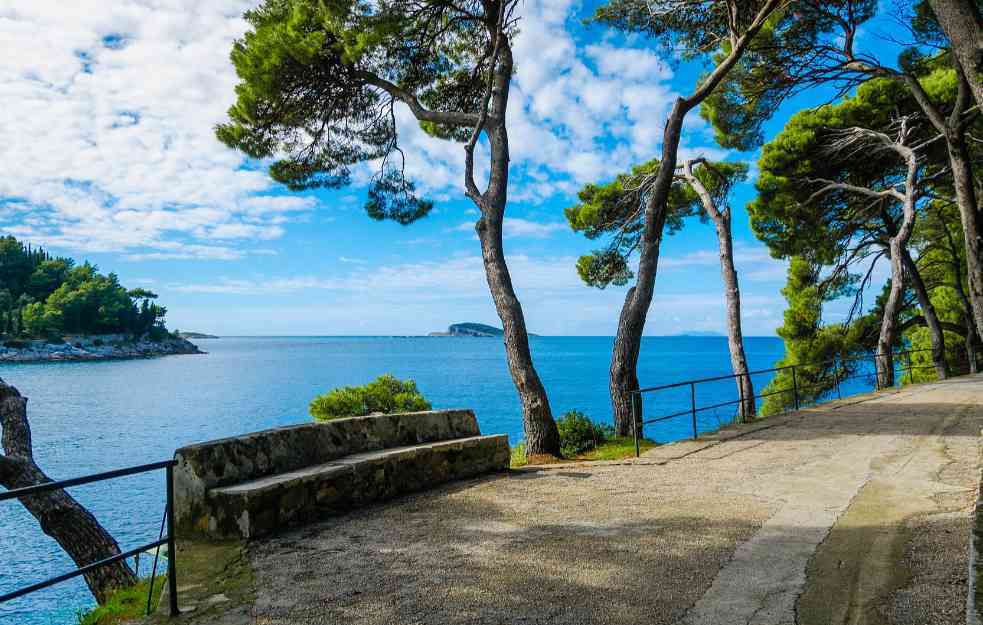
(542, 436)
(889, 322)
(732, 293)
(960, 19)
(60, 516)
(735, 338)
(962, 175)
(936, 335)
(631, 324)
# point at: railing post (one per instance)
(877, 374)
(795, 389)
(836, 378)
(741, 408)
(634, 422)
(171, 546)
(692, 407)
(908, 362)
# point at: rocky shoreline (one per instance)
(100, 347)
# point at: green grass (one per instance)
(613, 449)
(518, 457)
(617, 449)
(125, 604)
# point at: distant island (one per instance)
(469, 329)
(194, 335)
(699, 333)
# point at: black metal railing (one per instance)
(168, 540)
(840, 372)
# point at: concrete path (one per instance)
(858, 513)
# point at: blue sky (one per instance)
(110, 156)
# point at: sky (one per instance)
(108, 154)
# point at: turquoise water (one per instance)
(91, 417)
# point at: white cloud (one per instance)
(110, 108)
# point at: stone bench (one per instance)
(255, 484)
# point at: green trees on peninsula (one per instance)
(42, 296)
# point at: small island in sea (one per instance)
(469, 329)
(194, 335)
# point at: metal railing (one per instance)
(840, 373)
(168, 518)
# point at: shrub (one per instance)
(386, 394)
(578, 434)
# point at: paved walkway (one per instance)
(858, 514)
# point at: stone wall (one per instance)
(254, 483)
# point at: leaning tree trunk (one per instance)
(732, 293)
(60, 516)
(735, 337)
(962, 176)
(884, 358)
(936, 335)
(961, 21)
(623, 382)
(542, 436)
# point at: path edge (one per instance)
(974, 592)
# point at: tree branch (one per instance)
(451, 118)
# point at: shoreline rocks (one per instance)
(95, 347)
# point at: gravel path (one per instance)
(853, 514)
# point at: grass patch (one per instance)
(518, 457)
(617, 449)
(125, 604)
(612, 449)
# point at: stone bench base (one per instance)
(261, 506)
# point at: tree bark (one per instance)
(884, 359)
(935, 332)
(732, 294)
(623, 382)
(961, 21)
(60, 516)
(631, 324)
(542, 436)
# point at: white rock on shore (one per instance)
(94, 347)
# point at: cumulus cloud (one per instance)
(108, 140)
(110, 106)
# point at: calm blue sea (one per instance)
(90, 417)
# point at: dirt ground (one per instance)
(856, 512)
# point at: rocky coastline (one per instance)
(97, 347)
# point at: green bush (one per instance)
(385, 394)
(578, 434)
(125, 604)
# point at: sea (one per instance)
(88, 417)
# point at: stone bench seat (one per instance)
(222, 489)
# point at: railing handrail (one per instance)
(86, 479)
(168, 540)
(729, 376)
(636, 394)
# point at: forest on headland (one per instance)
(44, 297)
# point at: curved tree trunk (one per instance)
(542, 436)
(961, 21)
(962, 175)
(60, 516)
(888, 336)
(732, 293)
(628, 341)
(735, 336)
(936, 335)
